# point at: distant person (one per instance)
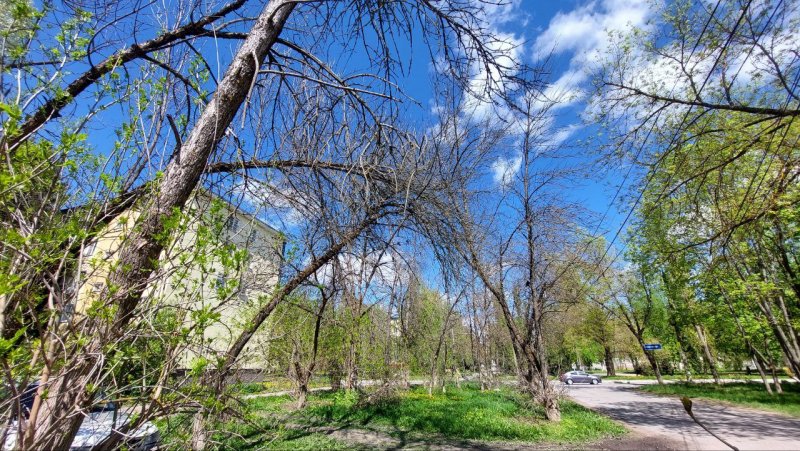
(747, 369)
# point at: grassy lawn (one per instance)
(741, 393)
(464, 413)
(677, 376)
(260, 429)
(276, 385)
(460, 414)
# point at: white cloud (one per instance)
(584, 33)
(504, 169)
(564, 92)
(562, 135)
(507, 51)
(271, 204)
(499, 13)
(570, 31)
(373, 275)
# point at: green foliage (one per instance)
(724, 240)
(17, 25)
(258, 432)
(466, 413)
(291, 330)
(423, 316)
(7, 345)
(750, 394)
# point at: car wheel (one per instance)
(594, 381)
(569, 381)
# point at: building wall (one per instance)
(192, 269)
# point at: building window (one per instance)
(252, 237)
(67, 313)
(88, 249)
(242, 299)
(232, 223)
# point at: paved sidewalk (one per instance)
(664, 416)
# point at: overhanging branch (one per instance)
(775, 112)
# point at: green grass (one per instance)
(276, 384)
(464, 414)
(262, 430)
(460, 414)
(677, 376)
(741, 393)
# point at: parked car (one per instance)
(104, 417)
(578, 377)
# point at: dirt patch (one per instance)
(374, 439)
(635, 442)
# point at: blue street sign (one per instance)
(652, 347)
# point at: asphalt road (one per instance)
(651, 415)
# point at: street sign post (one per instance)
(652, 347)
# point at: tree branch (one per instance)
(51, 108)
(711, 106)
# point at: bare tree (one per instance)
(518, 252)
(397, 179)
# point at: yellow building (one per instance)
(221, 266)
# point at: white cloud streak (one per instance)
(504, 170)
(583, 33)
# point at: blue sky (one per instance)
(573, 36)
(572, 33)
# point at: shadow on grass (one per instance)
(463, 414)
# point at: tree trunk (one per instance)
(707, 353)
(758, 359)
(552, 411)
(609, 361)
(792, 354)
(336, 377)
(681, 342)
(634, 361)
(685, 362)
(302, 394)
(352, 362)
(57, 423)
(760, 368)
(517, 367)
(199, 432)
(775, 379)
(653, 363)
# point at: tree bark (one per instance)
(609, 361)
(302, 395)
(701, 335)
(351, 362)
(199, 432)
(775, 379)
(682, 352)
(760, 368)
(57, 424)
(682, 348)
(653, 363)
